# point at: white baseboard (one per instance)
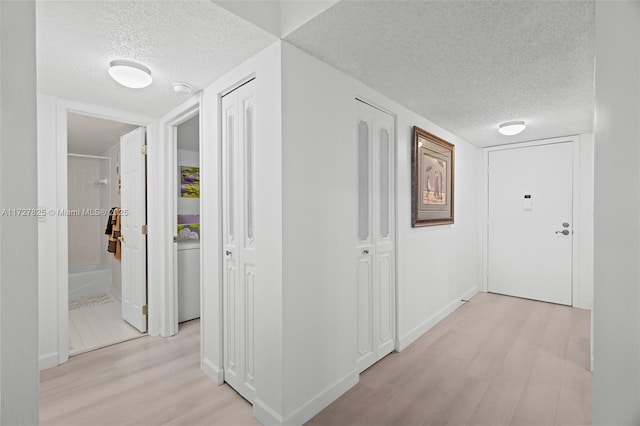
(265, 414)
(323, 399)
(418, 331)
(48, 360)
(268, 416)
(212, 371)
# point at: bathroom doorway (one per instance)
(95, 240)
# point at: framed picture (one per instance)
(190, 182)
(432, 176)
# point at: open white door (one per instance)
(133, 228)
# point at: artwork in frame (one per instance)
(432, 178)
(190, 182)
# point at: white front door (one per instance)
(134, 243)
(375, 248)
(530, 222)
(239, 244)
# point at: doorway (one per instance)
(531, 222)
(99, 285)
(187, 208)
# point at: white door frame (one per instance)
(575, 220)
(395, 208)
(63, 107)
(168, 302)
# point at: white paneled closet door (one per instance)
(376, 235)
(239, 248)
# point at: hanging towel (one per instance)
(109, 229)
(117, 235)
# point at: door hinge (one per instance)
(143, 149)
(143, 229)
(145, 310)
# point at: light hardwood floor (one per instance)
(496, 360)
(146, 381)
(97, 326)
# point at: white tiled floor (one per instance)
(97, 326)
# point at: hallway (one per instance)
(495, 360)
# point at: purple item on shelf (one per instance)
(188, 218)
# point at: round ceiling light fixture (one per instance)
(130, 74)
(511, 128)
(181, 88)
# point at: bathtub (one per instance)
(89, 280)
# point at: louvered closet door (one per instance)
(375, 249)
(239, 248)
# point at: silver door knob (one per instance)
(563, 232)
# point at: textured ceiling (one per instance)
(190, 41)
(93, 136)
(468, 65)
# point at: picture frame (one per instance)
(432, 180)
(190, 182)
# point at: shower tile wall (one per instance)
(85, 232)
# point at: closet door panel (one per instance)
(375, 248)
(240, 280)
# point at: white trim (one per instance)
(268, 416)
(574, 140)
(319, 402)
(430, 322)
(63, 107)
(265, 414)
(48, 360)
(212, 371)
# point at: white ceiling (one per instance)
(93, 136)
(191, 41)
(465, 65)
(468, 65)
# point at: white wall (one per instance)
(265, 66)
(616, 313)
(583, 297)
(47, 233)
(320, 217)
(19, 384)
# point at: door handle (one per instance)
(365, 251)
(563, 232)
(228, 253)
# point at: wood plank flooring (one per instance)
(96, 326)
(497, 360)
(147, 381)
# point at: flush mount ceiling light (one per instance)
(181, 88)
(130, 74)
(511, 128)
